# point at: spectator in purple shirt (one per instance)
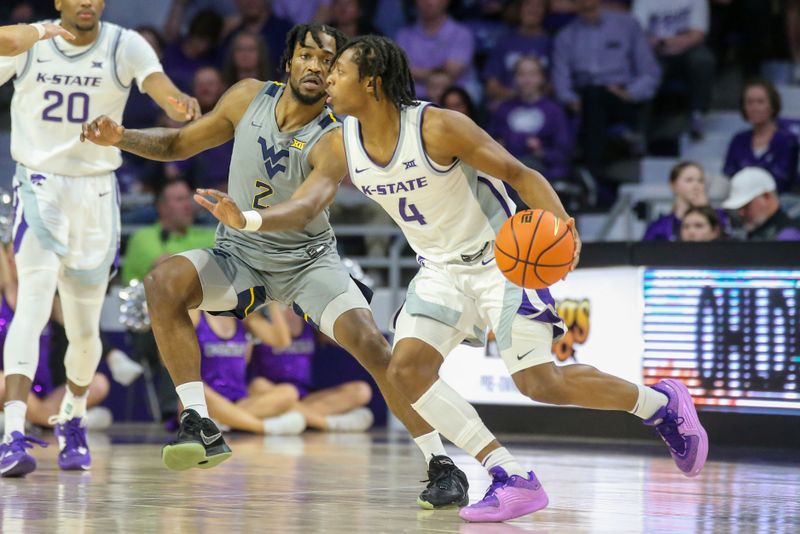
(257, 16)
(247, 57)
(688, 183)
(437, 41)
(528, 38)
(677, 30)
(184, 56)
(604, 70)
(767, 144)
(756, 203)
(531, 126)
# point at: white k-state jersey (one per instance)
(445, 213)
(59, 86)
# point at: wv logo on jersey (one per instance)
(272, 158)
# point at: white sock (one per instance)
(501, 457)
(15, 418)
(289, 423)
(72, 405)
(123, 369)
(193, 397)
(431, 445)
(649, 402)
(357, 420)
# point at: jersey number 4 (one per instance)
(268, 190)
(77, 107)
(410, 213)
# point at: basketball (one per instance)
(534, 249)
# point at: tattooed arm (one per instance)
(170, 144)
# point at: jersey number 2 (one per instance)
(268, 190)
(410, 213)
(77, 107)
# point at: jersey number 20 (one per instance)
(77, 107)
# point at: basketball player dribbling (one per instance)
(288, 160)
(66, 229)
(436, 174)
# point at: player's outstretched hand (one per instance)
(51, 30)
(576, 256)
(102, 131)
(187, 106)
(221, 206)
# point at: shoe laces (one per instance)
(74, 435)
(496, 484)
(438, 472)
(668, 429)
(25, 442)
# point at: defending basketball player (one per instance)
(288, 160)
(66, 231)
(439, 176)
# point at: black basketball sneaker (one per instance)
(447, 485)
(199, 444)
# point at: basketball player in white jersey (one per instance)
(18, 38)
(66, 231)
(436, 173)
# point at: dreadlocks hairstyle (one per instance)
(379, 57)
(298, 34)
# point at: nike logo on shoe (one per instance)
(521, 356)
(208, 440)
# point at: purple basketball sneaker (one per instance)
(679, 427)
(73, 450)
(14, 459)
(508, 497)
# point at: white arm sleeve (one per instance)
(698, 20)
(136, 59)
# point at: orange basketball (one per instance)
(534, 249)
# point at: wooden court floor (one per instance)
(367, 483)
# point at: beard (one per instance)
(307, 100)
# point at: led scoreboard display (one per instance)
(731, 335)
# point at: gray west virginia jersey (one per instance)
(300, 267)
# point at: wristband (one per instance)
(252, 221)
(39, 28)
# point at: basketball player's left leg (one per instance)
(81, 304)
(525, 346)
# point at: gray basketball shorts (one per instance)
(319, 289)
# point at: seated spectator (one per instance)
(304, 11)
(677, 31)
(147, 247)
(257, 16)
(438, 82)
(701, 223)
(688, 183)
(767, 144)
(533, 127)
(458, 99)
(604, 70)
(247, 57)
(184, 56)
(437, 41)
(753, 196)
(529, 38)
(224, 353)
(336, 409)
(348, 17)
(181, 11)
(208, 169)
